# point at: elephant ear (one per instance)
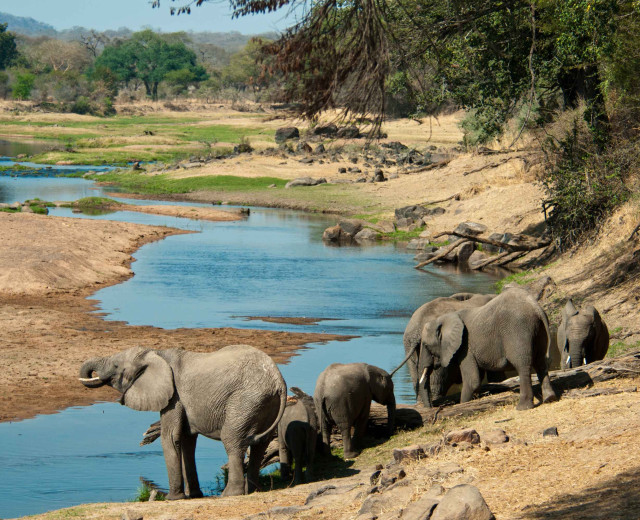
(153, 388)
(601, 342)
(568, 311)
(451, 332)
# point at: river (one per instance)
(274, 263)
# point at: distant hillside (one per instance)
(27, 26)
(229, 41)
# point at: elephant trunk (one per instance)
(391, 415)
(87, 370)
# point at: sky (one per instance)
(213, 16)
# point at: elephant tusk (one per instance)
(584, 361)
(568, 361)
(89, 379)
(423, 376)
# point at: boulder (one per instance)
(348, 132)
(434, 211)
(404, 223)
(464, 252)
(476, 258)
(305, 181)
(285, 133)
(304, 148)
(462, 502)
(413, 452)
(350, 227)
(418, 243)
(328, 130)
(498, 237)
(415, 212)
(378, 176)
(424, 256)
(320, 149)
(366, 234)
(470, 228)
(306, 160)
(333, 234)
(421, 509)
(342, 170)
(383, 226)
(550, 432)
(466, 435)
(391, 499)
(26, 209)
(396, 146)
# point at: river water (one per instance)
(271, 264)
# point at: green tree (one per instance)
(149, 57)
(23, 85)
(8, 49)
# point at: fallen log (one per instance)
(490, 261)
(432, 166)
(531, 246)
(455, 196)
(492, 165)
(442, 254)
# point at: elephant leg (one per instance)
(235, 481)
(360, 426)
(285, 461)
(191, 484)
(310, 454)
(171, 435)
(325, 428)
(256, 454)
(347, 441)
(548, 393)
(471, 379)
(298, 460)
(526, 390)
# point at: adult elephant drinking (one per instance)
(236, 395)
(442, 378)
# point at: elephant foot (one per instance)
(196, 494)
(175, 496)
(527, 405)
(233, 491)
(351, 454)
(549, 398)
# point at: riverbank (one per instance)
(48, 268)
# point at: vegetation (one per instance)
(144, 492)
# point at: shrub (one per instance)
(82, 105)
(23, 86)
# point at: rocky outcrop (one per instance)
(305, 181)
(286, 133)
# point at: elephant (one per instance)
(583, 336)
(510, 331)
(343, 396)
(297, 437)
(442, 378)
(236, 395)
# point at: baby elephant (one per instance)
(297, 436)
(582, 336)
(343, 397)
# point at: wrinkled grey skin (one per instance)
(442, 378)
(343, 397)
(297, 437)
(236, 395)
(583, 336)
(510, 331)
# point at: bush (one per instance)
(583, 183)
(23, 86)
(82, 105)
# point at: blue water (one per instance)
(272, 264)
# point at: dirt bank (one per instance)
(48, 266)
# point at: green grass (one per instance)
(144, 492)
(522, 278)
(95, 202)
(164, 184)
(403, 236)
(620, 347)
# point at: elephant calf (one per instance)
(583, 337)
(343, 397)
(297, 437)
(236, 395)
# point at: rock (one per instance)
(320, 149)
(320, 491)
(26, 209)
(285, 133)
(136, 166)
(466, 435)
(304, 148)
(393, 176)
(476, 258)
(15, 205)
(4, 205)
(423, 257)
(383, 226)
(425, 234)
(495, 436)
(305, 181)
(348, 132)
(390, 476)
(415, 212)
(498, 237)
(396, 146)
(366, 234)
(353, 159)
(550, 432)
(351, 227)
(378, 176)
(332, 234)
(131, 515)
(421, 509)
(361, 179)
(418, 243)
(355, 170)
(435, 211)
(392, 499)
(464, 252)
(470, 228)
(328, 130)
(404, 223)
(463, 502)
(413, 452)
(272, 186)
(342, 170)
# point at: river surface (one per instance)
(271, 264)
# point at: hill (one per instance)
(27, 26)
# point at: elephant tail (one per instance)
(406, 358)
(545, 320)
(282, 389)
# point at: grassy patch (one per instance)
(620, 347)
(95, 202)
(144, 492)
(164, 184)
(522, 278)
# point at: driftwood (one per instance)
(432, 166)
(564, 382)
(442, 254)
(530, 246)
(455, 196)
(492, 165)
(490, 260)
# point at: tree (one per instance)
(8, 49)
(149, 57)
(243, 70)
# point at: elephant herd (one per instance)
(238, 395)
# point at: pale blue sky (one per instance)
(214, 16)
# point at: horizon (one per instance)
(94, 14)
